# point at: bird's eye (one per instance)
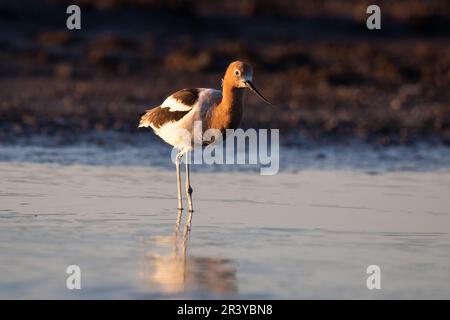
(236, 73)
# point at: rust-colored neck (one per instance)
(228, 114)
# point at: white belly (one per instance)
(180, 134)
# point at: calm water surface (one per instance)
(304, 233)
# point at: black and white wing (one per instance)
(178, 105)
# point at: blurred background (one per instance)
(331, 78)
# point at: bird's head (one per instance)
(240, 75)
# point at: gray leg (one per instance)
(188, 184)
(180, 202)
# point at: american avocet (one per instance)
(216, 109)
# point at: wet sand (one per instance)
(309, 234)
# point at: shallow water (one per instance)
(112, 149)
(309, 234)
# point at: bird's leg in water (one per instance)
(177, 225)
(177, 231)
(187, 231)
(180, 202)
(188, 223)
(188, 184)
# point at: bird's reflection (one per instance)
(179, 272)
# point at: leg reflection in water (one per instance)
(179, 272)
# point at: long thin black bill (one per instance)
(252, 87)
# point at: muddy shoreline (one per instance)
(330, 78)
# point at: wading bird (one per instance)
(216, 109)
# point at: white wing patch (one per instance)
(175, 105)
